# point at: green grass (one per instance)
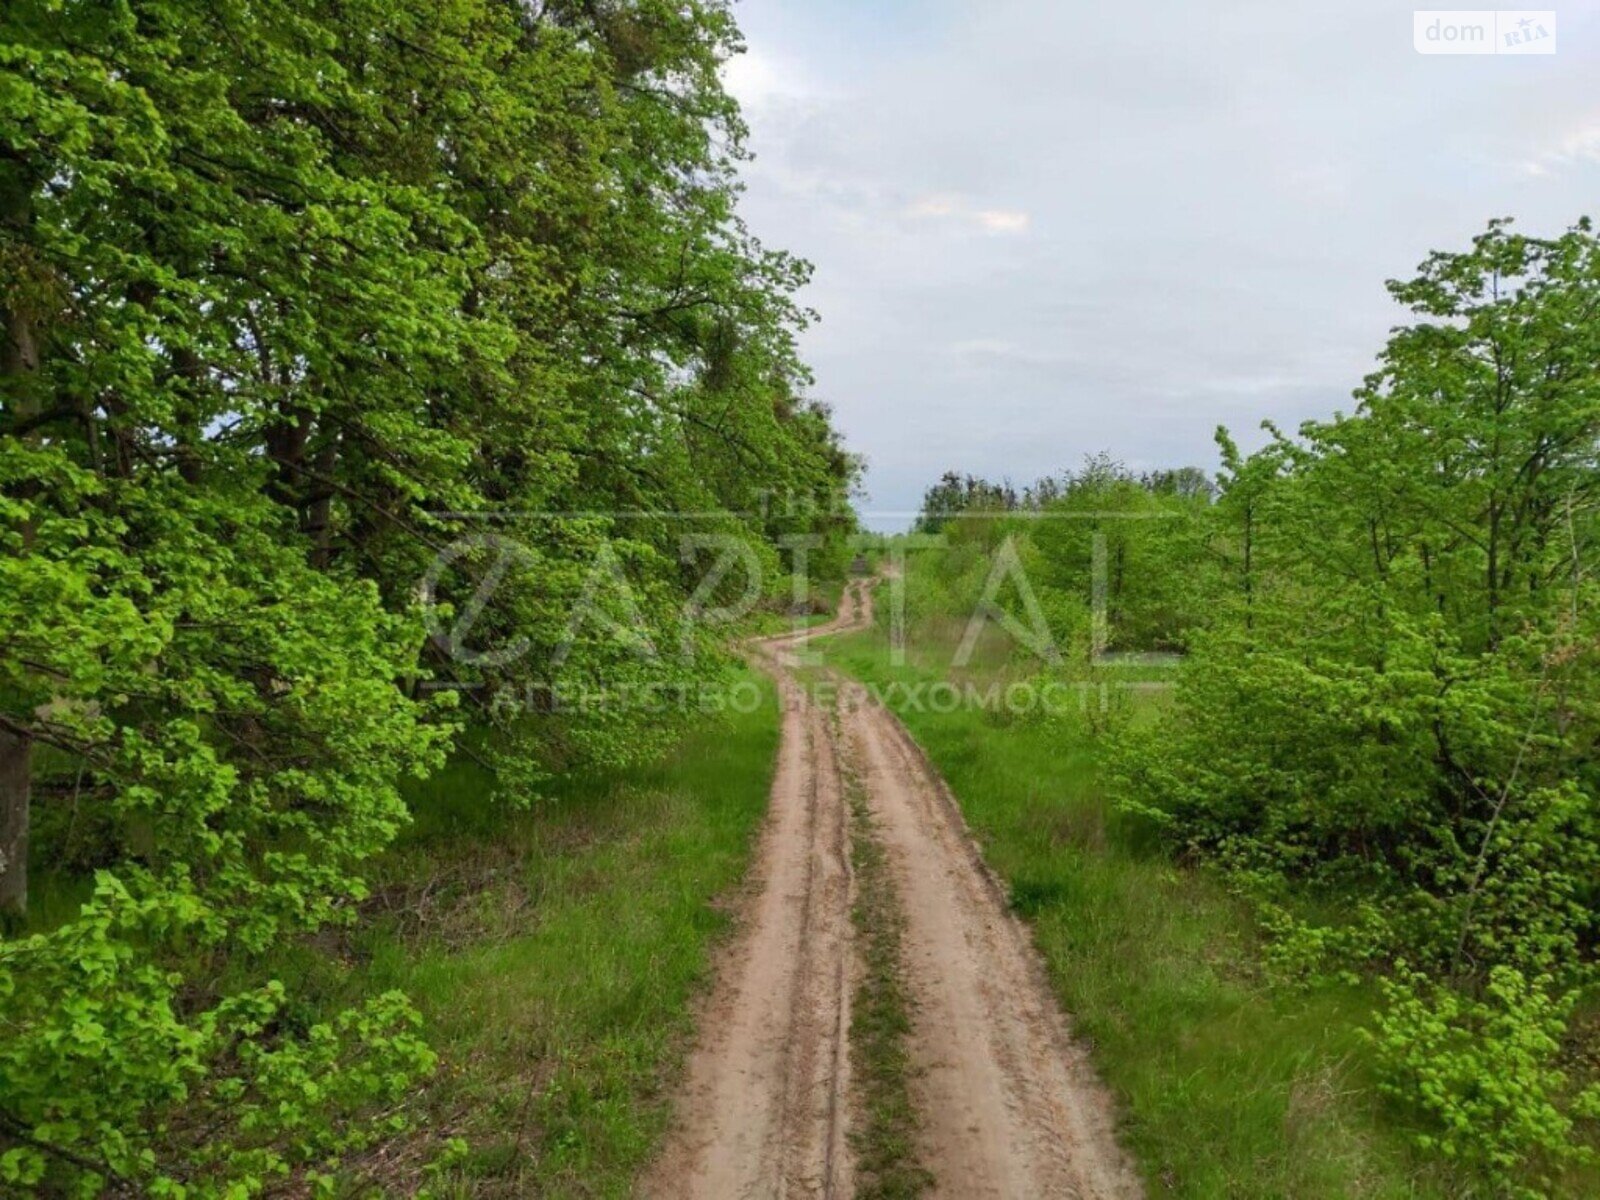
(554, 954)
(1228, 1087)
(773, 624)
(884, 1137)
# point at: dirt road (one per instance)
(1007, 1104)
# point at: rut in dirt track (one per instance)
(1008, 1105)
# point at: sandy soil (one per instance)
(1008, 1104)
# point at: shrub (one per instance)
(1482, 1076)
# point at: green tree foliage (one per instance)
(959, 495)
(1136, 546)
(1485, 1075)
(1395, 697)
(288, 288)
(1138, 550)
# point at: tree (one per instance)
(292, 291)
(1402, 713)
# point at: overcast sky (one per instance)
(1042, 230)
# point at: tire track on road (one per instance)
(1009, 1105)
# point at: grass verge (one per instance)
(884, 1135)
(554, 954)
(1228, 1086)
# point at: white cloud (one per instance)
(961, 211)
(1579, 145)
(760, 80)
(983, 346)
(934, 206)
(999, 220)
(985, 353)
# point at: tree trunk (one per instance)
(1249, 578)
(317, 522)
(16, 762)
(286, 441)
(19, 359)
(1492, 574)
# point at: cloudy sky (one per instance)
(1042, 230)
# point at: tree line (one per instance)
(1386, 722)
(318, 319)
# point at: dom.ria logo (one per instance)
(1486, 31)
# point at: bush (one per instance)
(1483, 1076)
